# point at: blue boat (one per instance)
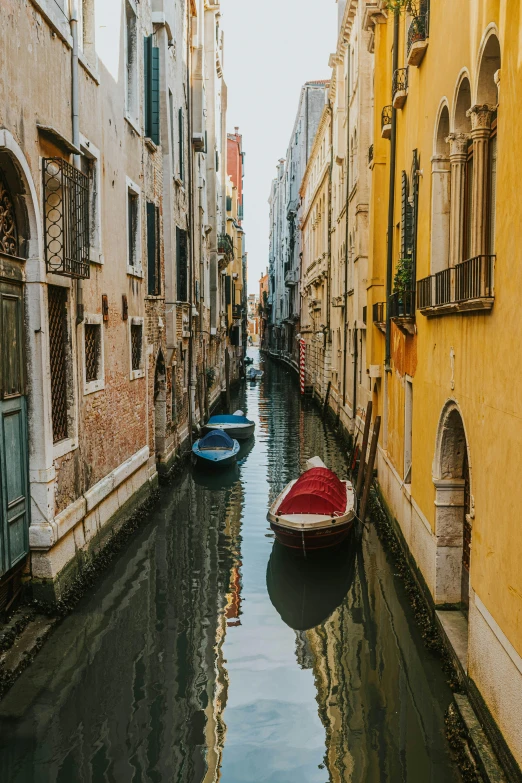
(216, 449)
(236, 425)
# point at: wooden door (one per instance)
(14, 485)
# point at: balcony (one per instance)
(379, 316)
(237, 312)
(467, 287)
(386, 121)
(225, 248)
(417, 42)
(402, 310)
(400, 87)
(292, 277)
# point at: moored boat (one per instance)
(216, 449)
(315, 511)
(236, 425)
(253, 374)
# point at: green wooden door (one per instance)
(14, 487)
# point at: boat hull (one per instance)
(215, 458)
(305, 541)
(236, 432)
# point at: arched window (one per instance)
(487, 96)
(8, 222)
(440, 199)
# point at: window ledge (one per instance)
(93, 386)
(95, 256)
(134, 374)
(153, 147)
(135, 271)
(64, 447)
(454, 308)
(133, 123)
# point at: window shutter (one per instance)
(151, 250)
(406, 220)
(181, 144)
(228, 290)
(155, 123)
(147, 70)
(181, 264)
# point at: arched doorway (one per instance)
(453, 509)
(160, 407)
(14, 443)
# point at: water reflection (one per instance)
(179, 668)
(305, 592)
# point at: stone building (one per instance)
(113, 208)
(285, 250)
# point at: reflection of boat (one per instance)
(236, 425)
(246, 447)
(306, 592)
(217, 449)
(215, 480)
(254, 374)
(315, 511)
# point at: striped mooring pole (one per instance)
(302, 352)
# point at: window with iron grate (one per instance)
(57, 303)
(92, 352)
(136, 345)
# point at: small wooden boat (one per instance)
(236, 425)
(315, 511)
(248, 360)
(254, 374)
(216, 449)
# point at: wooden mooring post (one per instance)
(326, 399)
(369, 469)
(364, 448)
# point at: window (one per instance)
(133, 230)
(172, 134)
(181, 144)
(182, 264)
(93, 379)
(57, 303)
(153, 250)
(492, 190)
(66, 217)
(131, 64)
(90, 165)
(151, 68)
(136, 348)
(468, 206)
(86, 27)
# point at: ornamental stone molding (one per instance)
(481, 115)
(458, 143)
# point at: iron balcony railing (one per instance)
(418, 30)
(386, 116)
(469, 280)
(225, 245)
(237, 312)
(401, 304)
(379, 312)
(66, 219)
(400, 81)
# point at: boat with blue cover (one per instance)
(217, 449)
(253, 374)
(236, 425)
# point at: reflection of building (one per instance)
(253, 319)
(264, 310)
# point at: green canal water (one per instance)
(207, 654)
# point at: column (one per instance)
(441, 213)
(458, 153)
(481, 116)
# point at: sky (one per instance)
(272, 47)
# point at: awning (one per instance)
(318, 491)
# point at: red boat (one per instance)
(315, 511)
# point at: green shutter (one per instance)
(181, 143)
(228, 290)
(151, 78)
(152, 282)
(155, 84)
(406, 220)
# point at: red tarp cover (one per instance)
(318, 491)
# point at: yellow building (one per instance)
(234, 280)
(442, 282)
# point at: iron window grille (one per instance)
(66, 218)
(57, 303)
(386, 116)
(400, 81)
(136, 345)
(133, 205)
(92, 352)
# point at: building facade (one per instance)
(112, 213)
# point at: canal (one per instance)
(206, 654)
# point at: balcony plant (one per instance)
(402, 286)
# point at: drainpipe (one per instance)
(75, 110)
(391, 198)
(190, 232)
(345, 299)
